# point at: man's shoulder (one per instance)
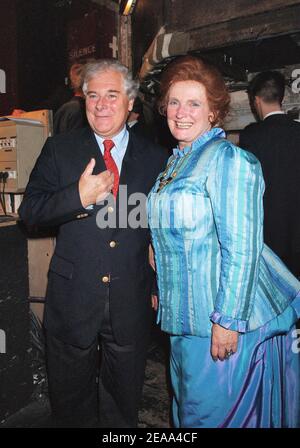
(147, 147)
(251, 134)
(295, 124)
(71, 136)
(281, 121)
(280, 125)
(70, 142)
(252, 128)
(139, 139)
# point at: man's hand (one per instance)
(154, 298)
(154, 302)
(223, 342)
(151, 258)
(94, 188)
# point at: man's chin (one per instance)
(103, 131)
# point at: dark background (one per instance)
(38, 41)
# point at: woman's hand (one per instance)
(223, 342)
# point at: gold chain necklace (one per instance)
(162, 178)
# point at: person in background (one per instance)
(227, 301)
(275, 141)
(17, 112)
(135, 114)
(136, 121)
(99, 283)
(72, 115)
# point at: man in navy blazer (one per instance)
(275, 141)
(99, 283)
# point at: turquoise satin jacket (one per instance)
(207, 231)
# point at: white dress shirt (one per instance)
(118, 151)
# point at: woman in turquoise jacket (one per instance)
(227, 301)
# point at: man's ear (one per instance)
(130, 105)
(257, 101)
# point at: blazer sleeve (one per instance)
(235, 186)
(46, 202)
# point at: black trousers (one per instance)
(84, 393)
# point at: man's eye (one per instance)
(91, 96)
(112, 96)
(195, 104)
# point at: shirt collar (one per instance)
(119, 140)
(214, 132)
(277, 112)
(132, 123)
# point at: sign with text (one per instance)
(94, 35)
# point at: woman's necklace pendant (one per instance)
(163, 181)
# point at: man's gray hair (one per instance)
(93, 69)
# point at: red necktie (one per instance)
(111, 164)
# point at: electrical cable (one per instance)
(3, 191)
(3, 179)
(1, 200)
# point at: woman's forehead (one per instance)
(187, 88)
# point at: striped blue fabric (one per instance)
(207, 233)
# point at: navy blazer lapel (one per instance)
(93, 149)
(130, 167)
(129, 164)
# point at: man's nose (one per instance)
(101, 103)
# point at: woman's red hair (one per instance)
(190, 68)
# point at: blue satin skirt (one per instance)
(257, 387)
